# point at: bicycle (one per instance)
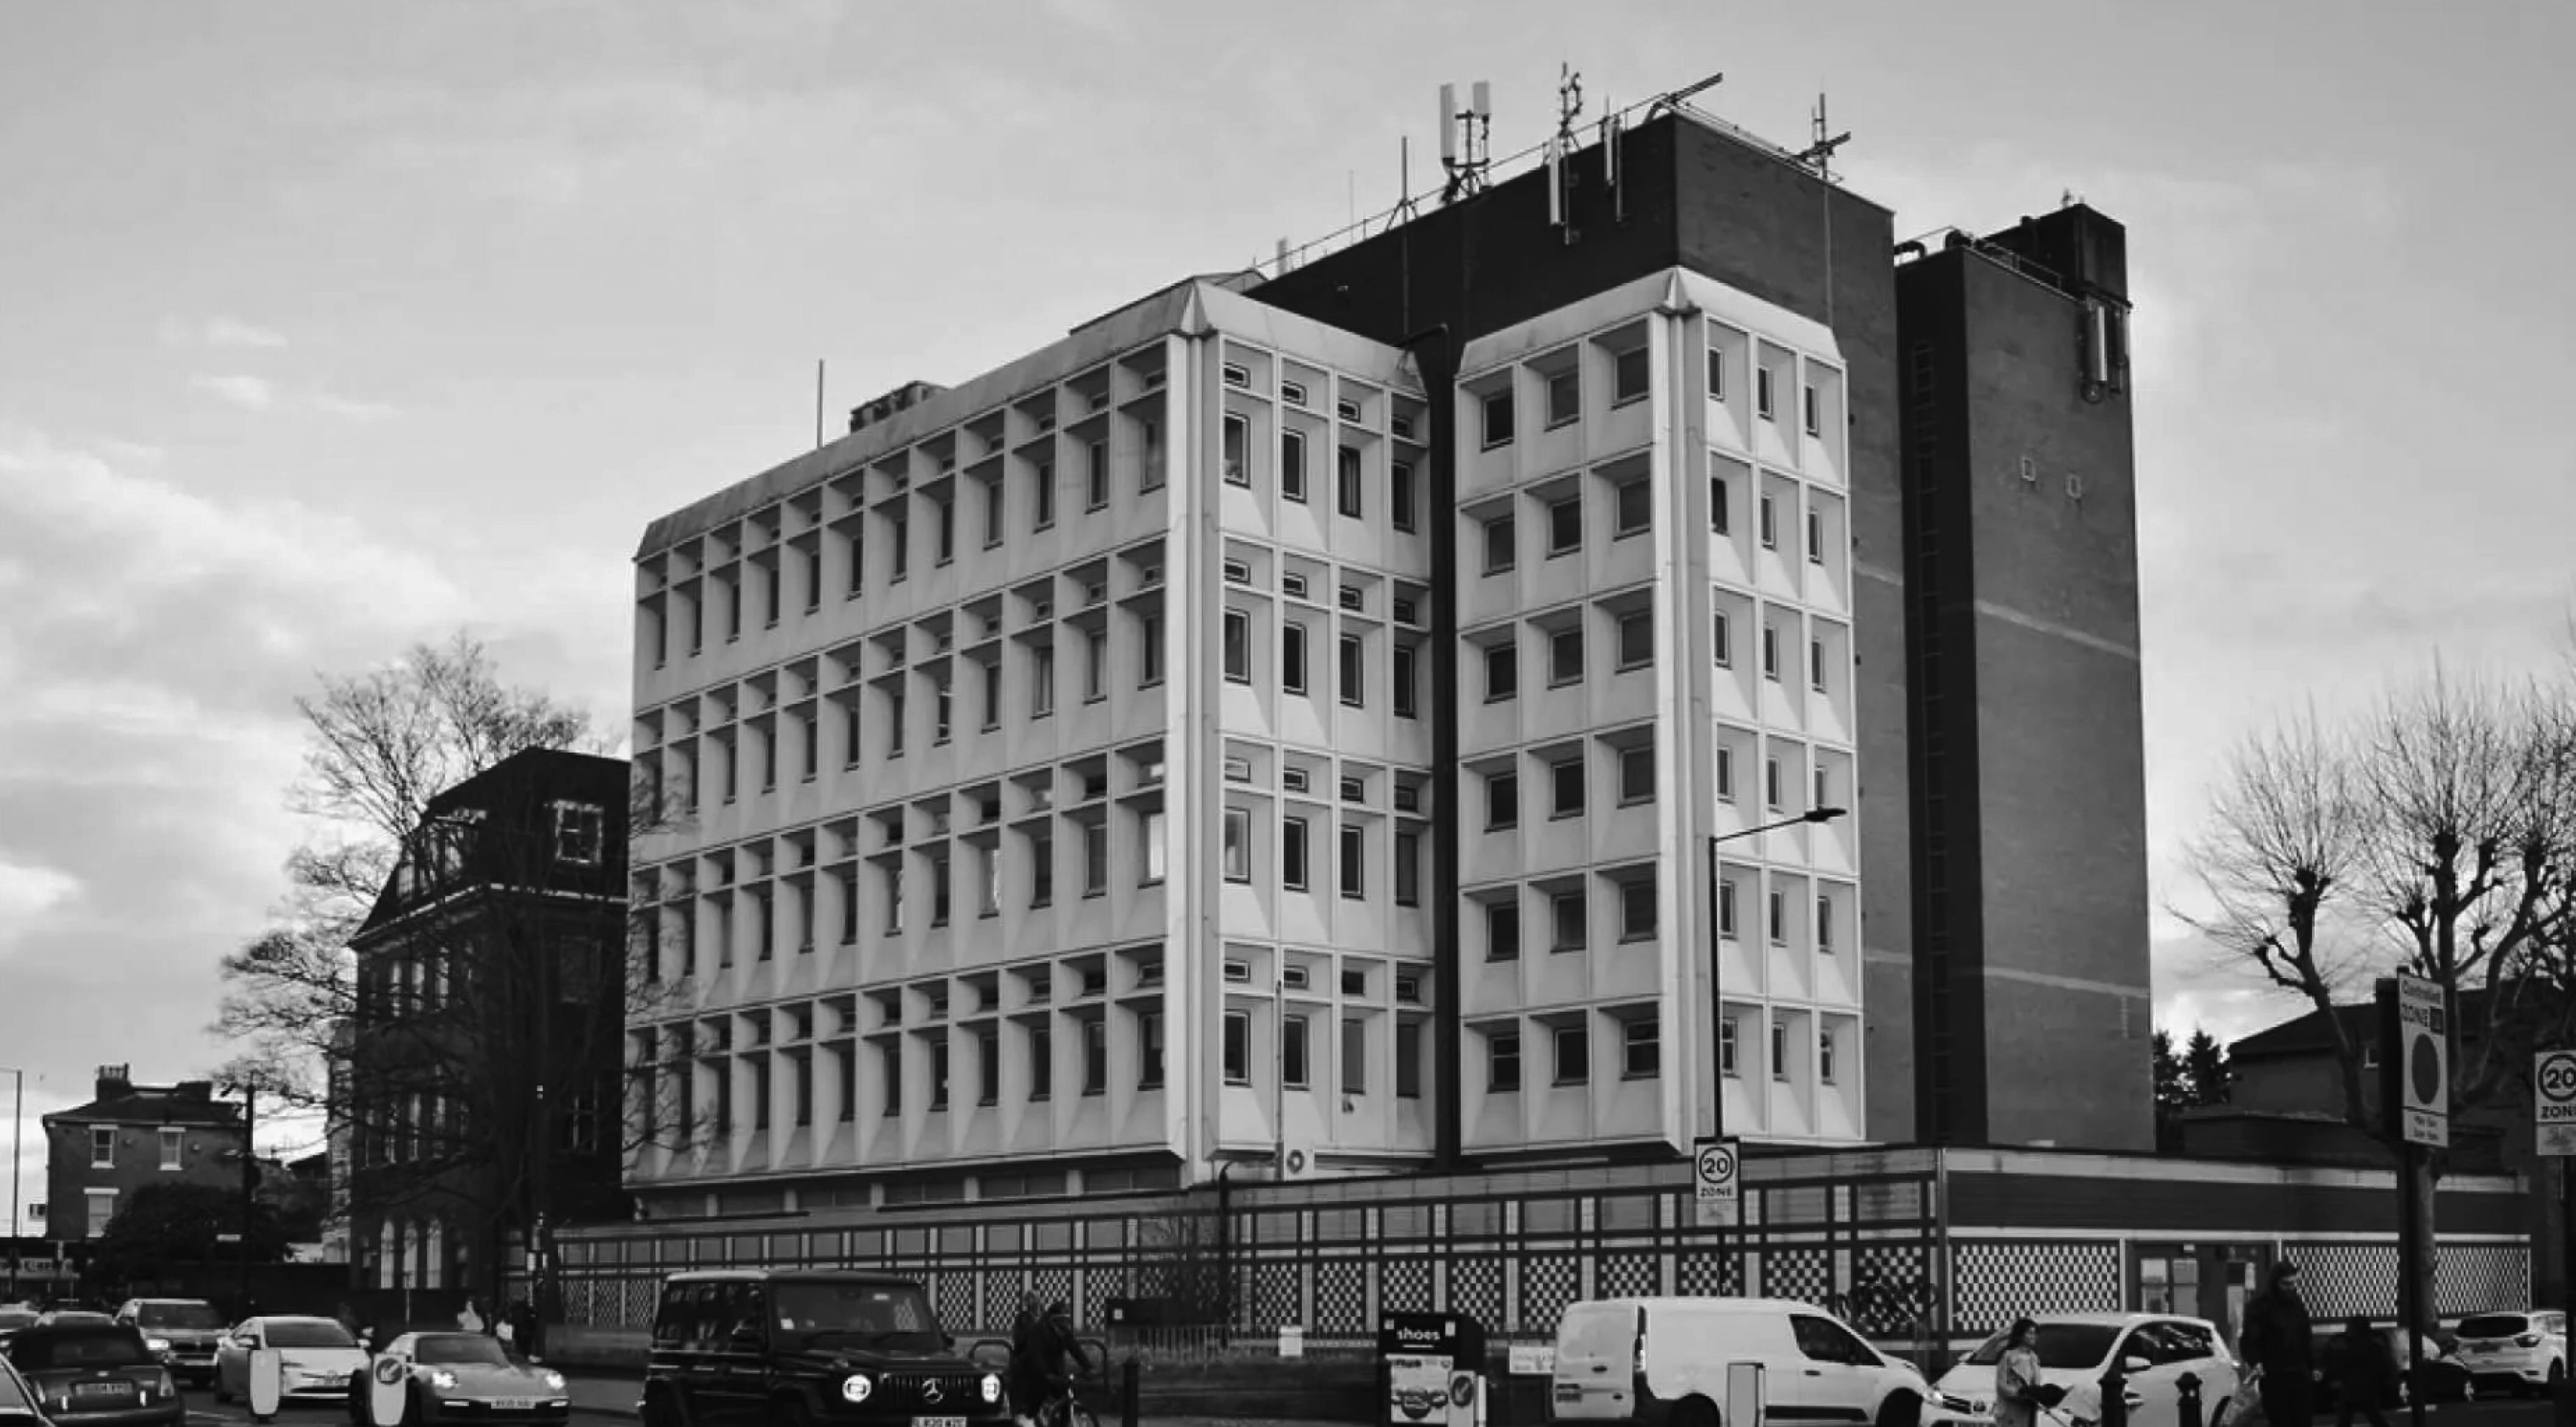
(1063, 1408)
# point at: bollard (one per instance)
(2188, 1404)
(1127, 1376)
(2115, 1397)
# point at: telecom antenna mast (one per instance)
(1820, 154)
(1560, 149)
(1466, 141)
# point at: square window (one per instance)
(1354, 861)
(1501, 544)
(1721, 636)
(1636, 507)
(1292, 465)
(1569, 916)
(1292, 658)
(1726, 907)
(1637, 775)
(1564, 525)
(1238, 647)
(1565, 656)
(1292, 854)
(1770, 523)
(1238, 845)
(1641, 1051)
(1401, 497)
(1354, 685)
(1716, 374)
(1238, 1048)
(1636, 639)
(1762, 392)
(1498, 418)
(1726, 1047)
(1633, 375)
(1565, 783)
(1502, 672)
(1503, 931)
(1238, 443)
(1564, 397)
(1502, 1062)
(1573, 1055)
(1637, 914)
(1349, 501)
(1502, 801)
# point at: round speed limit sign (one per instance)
(2554, 1086)
(1716, 1166)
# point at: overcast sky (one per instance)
(325, 328)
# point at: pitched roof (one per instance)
(153, 1105)
(2307, 1034)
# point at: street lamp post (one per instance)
(17, 1153)
(1716, 981)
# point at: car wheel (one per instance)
(1902, 1409)
(2557, 1377)
(1695, 1412)
(661, 1411)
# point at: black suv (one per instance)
(732, 1348)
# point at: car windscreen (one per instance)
(188, 1316)
(44, 1351)
(2495, 1325)
(865, 1314)
(446, 1349)
(11, 1399)
(302, 1333)
(2061, 1345)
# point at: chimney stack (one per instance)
(115, 1081)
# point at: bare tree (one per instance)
(2434, 836)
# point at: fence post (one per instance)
(2188, 1404)
(2115, 1396)
(1127, 1379)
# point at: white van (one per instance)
(1664, 1360)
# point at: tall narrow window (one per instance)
(1293, 1070)
(1150, 832)
(1408, 868)
(1719, 518)
(1824, 923)
(1762, 392)
(1726, 908)
(1238, 441)
(1349, 500)
(1238, 1048)
(1043, 478)
(1408, 1060)
(1292, 658)
(1149, 1051)
(1095, 1057)
(939, 890)
(1096, 476)
(1726, 1064)
(1238, 845)
(1041, 1062)
(1403, 689)
(1354, 860)
(1292, 465)
(1354, 1055)
(993, 513)
(1041, 869)
(988, 881)
(947, 528)
(1771, 790)
(1151, 628)
(899, 533)
(1770, 524)
(1716, 374)
(1095, 859)
(1401, 498)
(992, 695)
(1816, 664)
(1293, 870)
(1815, 537)
(814, 576)
(1095, 665)
(1502, 544)
(988, 1066)
(1502, 801)
(1498, 418)
(1238, 646)
(1042, 681)
(1502, 1062)
(1771, 653)
(1815, 411)
(1502, 672)
(1354, 690)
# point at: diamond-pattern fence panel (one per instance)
(2340, 1280)
(2480, 1278)
(1996, 1282)
(1803, 1274)
(1055, 1285)
(1404, 1285)
(1476, 1288)
(1628, 1274)
(1549, 1281)
(956, 1298)
(1341, 1298)
(1709, 1272)
(1892, 1293)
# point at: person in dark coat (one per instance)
(1038, 1359)
(2365, 1373)
(2279, 1341)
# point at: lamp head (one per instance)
(1823, 815)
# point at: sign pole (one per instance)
(2410, 1257)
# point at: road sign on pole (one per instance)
(2553, 1101)
(1715, 1168)
(2421, 1066)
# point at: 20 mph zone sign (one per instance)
(2423, 1066)
(2553, 1099)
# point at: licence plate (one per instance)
(514, 1404)
(939, 1422)
(103, 1389)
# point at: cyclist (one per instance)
(1038, 1352)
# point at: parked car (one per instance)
(13, 1319)
(318, 1356)
(460, 1377)
(17, 1399)
(1635, 1359)
(2515, 1352)
(71, 1317)
(85, 1373)
(2445, 1379)
(184, 1331)
(737, 1347)
(2076, 1351)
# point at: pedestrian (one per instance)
(2017, 1377)
(1028, 1381)
(2365, 1373)
(2279, 1343)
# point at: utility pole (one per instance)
(249, 1184)
(17, 1153)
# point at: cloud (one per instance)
(345, 407)
(250, 393)
(260, 394)
(219, 332)
(27, 892)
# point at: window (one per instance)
(1402, 687)
(1637, 774)
(900, 529)
(1770, 523)
(1777, 911)
(1238, 845)
(1718, 516)
(1815, 411)
(1354, 1055)
(938, 900)
(1564, 525)
(102, 1147)
(1498, 418)
(993, 512)
(1762, 392)
(1565, 656)
(1501, 544)
(1636, 639)
(1041, 1062)
(1238, 647)
(1631, 376)
(173, 1149)
(1238, 441)
(1095, 665)
(1041, 869)
(1096, 476)
(1726, 908)
(1564, 397)
(1400, 497)
(102, 1207)
(1771, 784)
(1149, 1051)
(988, 1066)
(1637, 909)
(1292, 465)
(1095, 859)
(1503, 931)
(1293, 393)
(1771, 653)
(1824, 788)
(1725, 775)
(1779, 1050)
(1354, 860)
(1095, 1057)
(992, 699)
(988, 882)
(1044, 479)
(1722, 638)
(1569, 917)
(1150, 630)
(1565, 787)
(1726, 1047)
(1292, 854)
(1502, 801)
(1815, 537)
(947, 528)
(1236, 375)
(1041, 682)
(1292, 1053)
(1348, 500)
(943, 706)
(1292, 658)
(1294, 780)
(892, 1054)
(1641, 1053)
(1354, 692)
(1502, 672)
(1503, 1061)
(1635, 502)
(1573, 1055)
(1238, 1048)
(939, 1071)
(577, 834)
(1408, 1060)
(1716, 374)
(1408, 868)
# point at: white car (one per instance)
(2514, 1352)
(1625, 1359)
(317, 1355)
(2077, 1349)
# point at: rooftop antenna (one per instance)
(1560, 175)
(1403, 211)
(1614, 131)
(1820, 154)
(1674, 99)
(1466, 141)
